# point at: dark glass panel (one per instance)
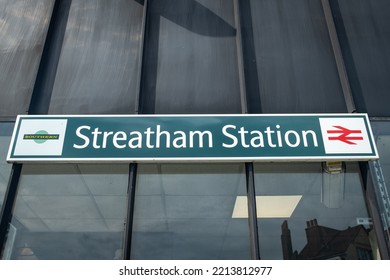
(381, 173)
(187, 211)
(305, 212)
(296, 69)
(191, 58)
(98, 69)
(364, 32)
(67, 211)
(23, 28)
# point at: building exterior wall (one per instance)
(190, 57)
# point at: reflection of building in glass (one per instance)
(352, 243)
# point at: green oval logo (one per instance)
(41, 136)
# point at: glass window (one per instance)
(310, 211)
(66, 211)
(99, 61)
(381, 172)
(5, 168)
(23, 30)
(364, 33)
(186, 211)
(191, 58)
(292, 56)
(381, 130)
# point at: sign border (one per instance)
(330, 157)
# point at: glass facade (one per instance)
(190, 58)
(195, 57)
(301, 216)
(97, 70)
(23, 29)
(363, 30)
(381, 170)
(69, 212)
(186, 212)
(296, 68)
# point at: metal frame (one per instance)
(249, 169)
(130, 211)
(252, 211)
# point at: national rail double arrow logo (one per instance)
(344, 134)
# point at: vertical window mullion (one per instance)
(250, 71)
(9, 201)
(252, 212)
(250, 183)
(133, 166)
(130, 210)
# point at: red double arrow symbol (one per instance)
(344, 135)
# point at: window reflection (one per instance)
(315, 229)
(23, 30)
(292, 64)
(363, 30)
(190, 58)
(69, 212)
(98, 66)
(327, 243)
(185, 212)
(381, 173)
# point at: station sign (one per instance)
(148, 138)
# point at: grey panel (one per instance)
(23, 28)
(98, 66)
(366, 44)
(191, 58)
(296, 68)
